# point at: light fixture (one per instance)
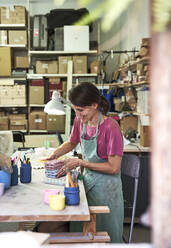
(55, 106)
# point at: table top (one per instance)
(135, 147)
(24, 202)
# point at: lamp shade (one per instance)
(55, 106)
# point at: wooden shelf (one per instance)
(36, 76)
(36, 105)
(61, 52)
(13, 106)
(122, 85)
(12, 26)
(85, 75)
(14, 45)
(131, 64)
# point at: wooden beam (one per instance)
(161, 137)
(57, 238)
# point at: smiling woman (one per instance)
(102, 149)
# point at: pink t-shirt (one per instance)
(109, 141)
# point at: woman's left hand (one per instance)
(70, 163)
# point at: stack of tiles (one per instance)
(52, 168)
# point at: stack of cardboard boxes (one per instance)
(13, 122)
(13, 95)
(39, 120)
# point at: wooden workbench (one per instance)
(24, 202)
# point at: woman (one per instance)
(102, 149)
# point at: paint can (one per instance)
(14, 175)
(57, 202)
(72, 195)
(49, 192)
(25, 173)
(5, 178)
(2, 187)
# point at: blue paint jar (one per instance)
(72, 195)
(5, 178)
(25, 173)
(14, 175)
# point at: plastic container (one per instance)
(72, 195)
(25, 173)
(2, 187)
(14, 175)
(57, 202)
(49, 192)
(5, 178)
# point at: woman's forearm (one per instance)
(112, 166)
(64, 148)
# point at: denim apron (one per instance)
(103, 190)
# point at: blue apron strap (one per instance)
(100, 118)
(84, 126)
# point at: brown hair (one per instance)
(85, 94)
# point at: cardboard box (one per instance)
(145, 136)
(17, 116)
(17, 37)
(36, 95)
(37, 120)
(47, 67)
(5, 61)
(18, 124)
(63, 64)
(13, 15)
(95, 67)
(37, 82)
(129, 122)
(21, 62)
(76, 38)
(4, 123)
(56, 123)
(3, 37)
(80, 64)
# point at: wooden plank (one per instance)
(90, 226)
(24, 202)
(57, 238)
(99, 209)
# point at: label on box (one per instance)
(38, 120)
(7, 13)
(36, 32)
(45, 66)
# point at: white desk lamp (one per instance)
(55, 106)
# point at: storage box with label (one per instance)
(18, 124)
(17, 116)
(21, 62)
(17, 37)
(5, 61)
(47, 67)
(36, 95)
(37, 120)
(4, 123)
(56, 123)
(63, 64)
(129, 122)
(80, 64)
(3, 37)
(13, 15)
(95, 67)
(145, 136)
(76, 38)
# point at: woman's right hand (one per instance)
(53, 156)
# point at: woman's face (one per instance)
(86, 113)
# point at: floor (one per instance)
(141, 234)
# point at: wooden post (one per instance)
(161, 137)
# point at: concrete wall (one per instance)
(126, 33)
